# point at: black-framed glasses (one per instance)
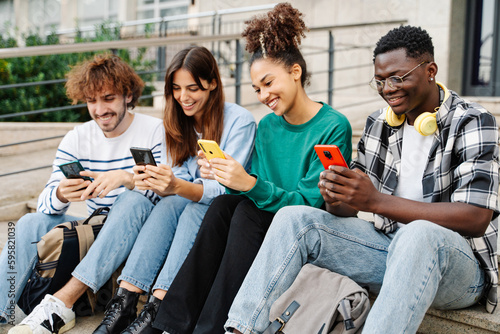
(394, 82)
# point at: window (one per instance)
(482, 49)
(157, 8)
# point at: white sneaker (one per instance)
(48, 317)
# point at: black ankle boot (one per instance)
(120, 312)
(142, 324)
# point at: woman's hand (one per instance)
(140, 176)
(159, 178)
(206, 171)
(231, 173)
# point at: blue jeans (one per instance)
(29, 229)
(169, 233)
(421, 265)
(115, 240)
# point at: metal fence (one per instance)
(232, 63)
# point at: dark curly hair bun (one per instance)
(279, 30)
(277, 35)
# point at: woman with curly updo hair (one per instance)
(285, 171)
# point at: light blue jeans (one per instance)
(163, 243)
(116, 239)
(107, 253)
(13, 276)
(421, 265)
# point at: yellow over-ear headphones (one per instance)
(425, 123)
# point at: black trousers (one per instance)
(201, 294)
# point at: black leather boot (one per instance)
(142, 324)
(120, 312)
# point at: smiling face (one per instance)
(109, 111)
(189, 95)
(275, 85)
(418, 93)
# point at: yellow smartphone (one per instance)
(211, 149)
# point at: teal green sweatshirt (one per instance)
(285, 163)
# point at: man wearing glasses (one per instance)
(427, 168)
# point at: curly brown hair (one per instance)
(103, 72)
(277, 35)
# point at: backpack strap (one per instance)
(85, 239)
(277, 325)
(97, 212)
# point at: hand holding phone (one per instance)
(69, 189)
(142, 157)
(211, 149)
(72, 169)
(330, 155)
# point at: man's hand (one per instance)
(327, 195)
(352, 187)
(71, 190)
(104, 182)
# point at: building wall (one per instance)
(444, 20)
(6, 12)
(439, 18)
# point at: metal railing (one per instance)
(237, 56)
(162, 22)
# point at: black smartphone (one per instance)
(143, 156)
(72, 170)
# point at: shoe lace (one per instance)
(112, 309)
(42, 312)
(148, 313)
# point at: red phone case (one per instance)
(330, 155)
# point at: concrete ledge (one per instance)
(474, 319)
(13, 211)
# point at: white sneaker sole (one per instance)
(25, 329)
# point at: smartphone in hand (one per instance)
(72, 170)
(330, 155)
(211, 149)
(143, 156)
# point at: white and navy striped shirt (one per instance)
(96, 153)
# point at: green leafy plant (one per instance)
(54, 67)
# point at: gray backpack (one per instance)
(320, 302)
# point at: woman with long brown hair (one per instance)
(195, 109)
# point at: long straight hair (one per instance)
(180, 134)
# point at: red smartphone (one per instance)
(330, 155)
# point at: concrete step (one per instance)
(76, 209)
(473, 320)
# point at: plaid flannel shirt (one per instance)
(462, 167)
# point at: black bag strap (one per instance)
(95, 213)
(344, 309)
(277, 325)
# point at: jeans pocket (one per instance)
(470, 297)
